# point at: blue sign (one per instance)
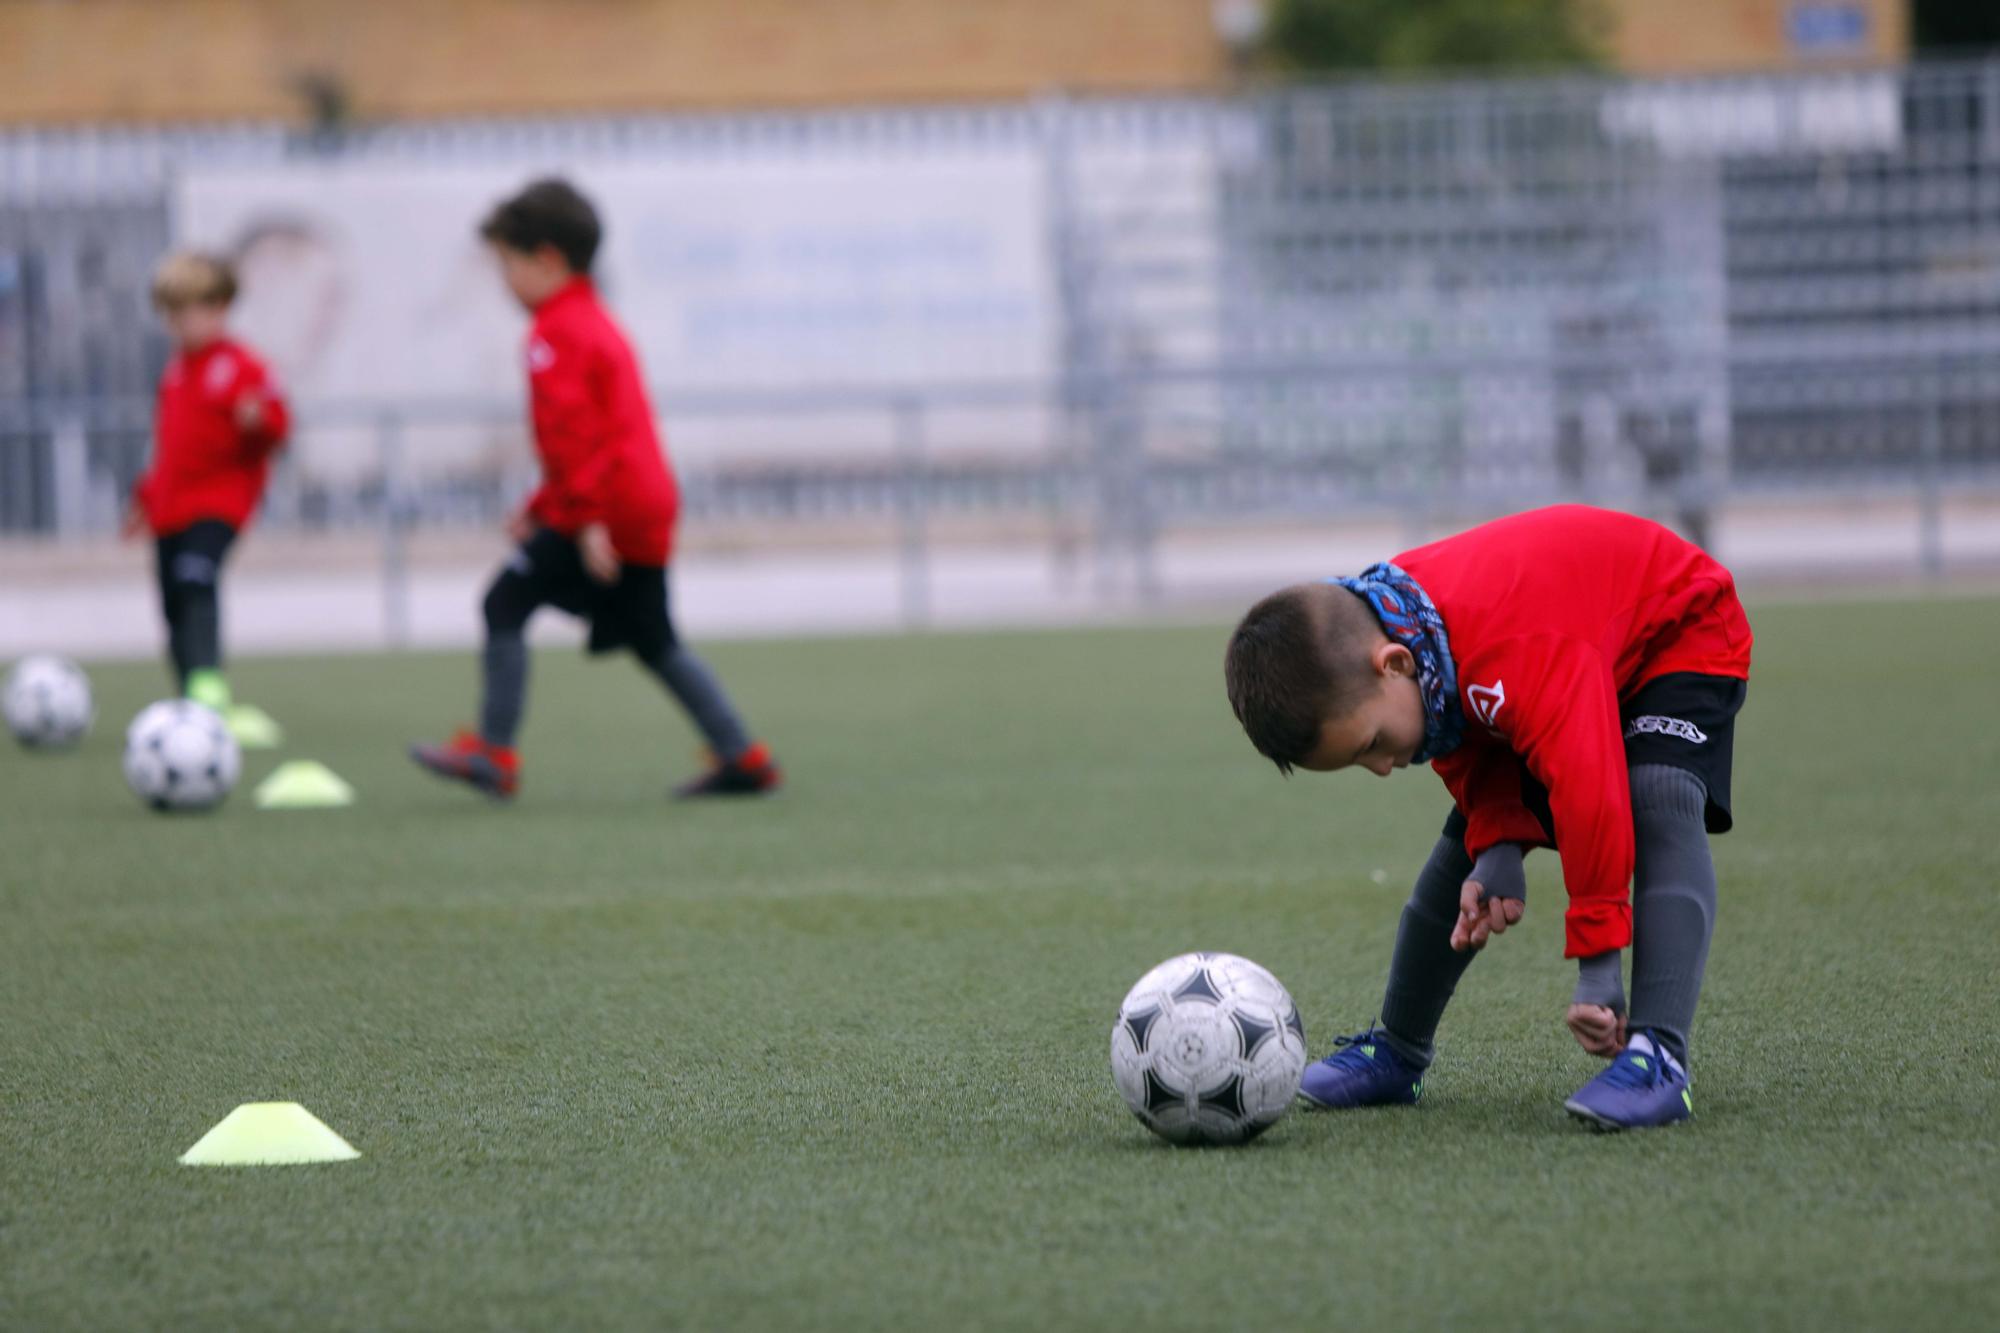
(1827, 29)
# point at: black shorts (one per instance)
(1688, 721)
(1685, 721)
(190, 558)
(548, 570)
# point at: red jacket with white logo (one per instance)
(205, 464)
(1556, 616)
(601, 455)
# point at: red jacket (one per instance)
(205, 465)
(1555, 617)
(601, 455)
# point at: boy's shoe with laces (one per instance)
(493, 769)
(1363, 1070)
(752, 773)
(1644, 1087)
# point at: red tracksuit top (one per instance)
(1555, 617)
(204, 464)
(601, 456)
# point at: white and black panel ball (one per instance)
(1208, 1048)
(46, 703)
(179, 756)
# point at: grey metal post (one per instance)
(1142, 520)
(395, 532)
(913, 536)
(1082, 354)
(69, 477)
(1930, 492)
(1114, 468)
(1060, 473)
(1989, 119)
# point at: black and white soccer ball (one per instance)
(47, 702)
(1208, 1048)
(179, 755)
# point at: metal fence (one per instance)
(1406, 298)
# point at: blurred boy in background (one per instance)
(218, 421)
(594, 539)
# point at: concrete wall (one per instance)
(77, 60)
(194, 59)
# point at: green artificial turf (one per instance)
(839, 1059)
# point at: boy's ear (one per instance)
(1392, 659)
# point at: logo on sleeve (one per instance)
(540, 355)
(1486, 701)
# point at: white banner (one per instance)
(367, 284)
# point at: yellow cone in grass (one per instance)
(268, 1134)
(253, 728)
(303, 784)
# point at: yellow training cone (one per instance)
(303, 784)
(253, 728)
(268, 1134)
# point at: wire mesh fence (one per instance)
(1095, 322)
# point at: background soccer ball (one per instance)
(180, 756)
(1208, 1048)
(47, 702)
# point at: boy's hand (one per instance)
(1477, 920)
(250, 413)
(133, 525)
(599, 556)
(519, 527)
(1598, 1029)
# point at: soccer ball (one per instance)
(47, 703)
(1208, 1048)
(180, 756)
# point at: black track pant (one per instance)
(189, 566)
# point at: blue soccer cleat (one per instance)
(1642, 1088)
(1362, 1071)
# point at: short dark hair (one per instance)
(1299, 657)
(548, 212)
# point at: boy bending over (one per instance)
(1573, 675)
